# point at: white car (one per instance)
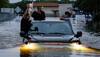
(52, 30)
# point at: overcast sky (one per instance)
(14, 1)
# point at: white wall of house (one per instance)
(63, 8)
(7, 10)
(14, 1)
(48, 10)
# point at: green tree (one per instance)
(47, 0)
(4, 3)
(92, 6)
(22, 4)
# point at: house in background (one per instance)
(14, 1)
(51, 7)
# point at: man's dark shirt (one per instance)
(25, 25)
(38, 15)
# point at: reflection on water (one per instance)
(81, 50)
(68, 50)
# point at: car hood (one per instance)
(52, 38)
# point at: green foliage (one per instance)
(22, 4)
(54, 1)
(4, 3)
(92, 6)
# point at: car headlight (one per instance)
(76, 46)
(30, 48)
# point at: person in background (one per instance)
(26, 24)
(38, 14)
(66, 15)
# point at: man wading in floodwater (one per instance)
(26, 23)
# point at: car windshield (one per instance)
(51, 27)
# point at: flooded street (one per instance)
(9, 33)
(9, 38)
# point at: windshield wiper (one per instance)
(57, 33)
(37, 33)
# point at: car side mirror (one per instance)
(78, 34)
